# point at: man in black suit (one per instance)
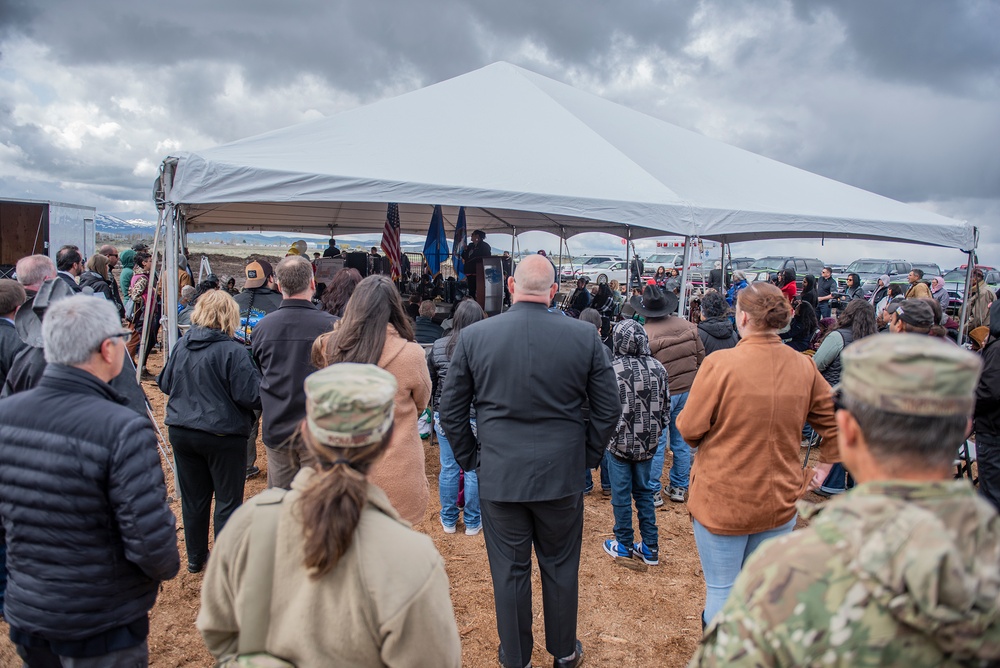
(528, 373)
(473, 256)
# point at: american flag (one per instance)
(390, 240)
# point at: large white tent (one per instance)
(521, 152)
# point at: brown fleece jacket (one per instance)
(745, 414)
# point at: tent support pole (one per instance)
(562, 240)
(682, 302)
(969, 268)
(169, 282)
(628, 262)
(148, 310)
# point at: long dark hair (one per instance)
(602, 297)
(806, 316)
(330, 507)
(859, 316)
(339, 292)
(787, 276)
(856, 281)
(808, 283)
(360, 335)
(467, 313)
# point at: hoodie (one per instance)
(644, 394)
(988, 391)
(893, 573)
(127, 260)
(717, 334)
(212, 382)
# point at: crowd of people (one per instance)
(900, 567)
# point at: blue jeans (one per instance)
(605, 481)
(630, 480)
(722, 558)
(680, 470)
(448, 485)
(837, 481)
(824, 309)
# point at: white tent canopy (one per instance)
(523, 152)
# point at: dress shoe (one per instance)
(577, 659)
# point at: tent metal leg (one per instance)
(682, 303)
(969, 267)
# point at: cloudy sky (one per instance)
(892, 96)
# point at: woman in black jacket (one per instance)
(98, 278)
(809, 291)
(214, 389)
(716, 329)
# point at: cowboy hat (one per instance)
(654, 303)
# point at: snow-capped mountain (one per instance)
(106, 224)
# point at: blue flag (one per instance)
(436, 247)
(458, 247)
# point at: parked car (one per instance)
(869, 269)
(768, 268)
(605, 272)
(737, 263)
(929, 268)
(581, 265)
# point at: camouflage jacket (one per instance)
(890, 574)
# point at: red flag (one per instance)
(390, 240)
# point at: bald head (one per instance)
(34, 270)
(533, 280)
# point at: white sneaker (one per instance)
(657, 500)
(447, 529)
(473, 531)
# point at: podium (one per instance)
(489, 285)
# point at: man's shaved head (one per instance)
(534, 276)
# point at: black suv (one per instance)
(869, 269)
(768, 268)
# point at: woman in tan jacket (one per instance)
(327, 574)
(745, 414)
(376, 330)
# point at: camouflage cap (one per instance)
(910, 374)
(349, 405)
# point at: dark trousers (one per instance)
(207, 464)
(252, 440)
(555, 528)
(42, 657)
(988, 461)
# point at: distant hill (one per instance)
(134, 229)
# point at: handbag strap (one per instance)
(259, 574)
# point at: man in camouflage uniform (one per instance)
(904, 570)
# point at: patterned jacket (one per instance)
(891, 574)
(643, 392)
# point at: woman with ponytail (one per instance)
(376, 330)
(351, 583)
(745, 413)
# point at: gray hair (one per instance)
(593, 316)
(187, 294)
(35, 269)
(739, 275)
(75, 327)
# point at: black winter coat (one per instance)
(10, 345)
(29, 365)
(83, 504)
(987, 417)
(212, 383)
(717, 334)
(282, 348)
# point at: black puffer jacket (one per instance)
(29, 365)
(717, 334)
(96, 282)
(89, 533)
(437, 364)
(988, 390)
(212, 382)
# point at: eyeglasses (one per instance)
(121, 335)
